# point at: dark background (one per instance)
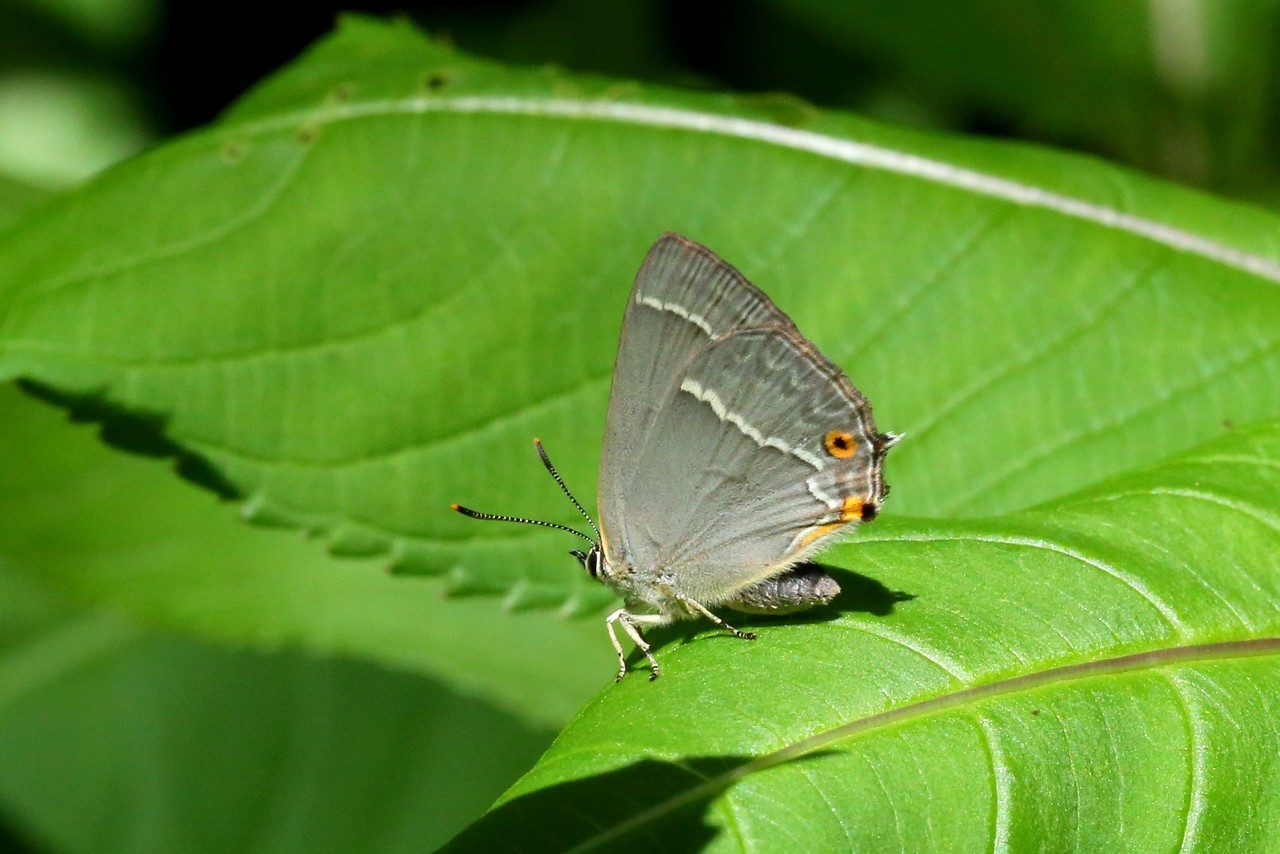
(1179, 89)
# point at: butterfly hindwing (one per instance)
(758, 412)
(733, 446)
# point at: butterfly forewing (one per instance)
(684, 297)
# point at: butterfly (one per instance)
(733, 452)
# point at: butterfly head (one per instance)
(593, 561)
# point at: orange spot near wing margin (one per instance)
(850, 511)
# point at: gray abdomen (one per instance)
(796, 589)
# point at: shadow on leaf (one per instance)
(858, 593)
(647, 806)
(863, 593)
(135, 431)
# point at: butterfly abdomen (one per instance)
(797, 589)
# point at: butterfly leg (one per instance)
(629, 623)
(697, 606)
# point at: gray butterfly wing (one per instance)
(749, 449)
(684, 296)
(766, 452)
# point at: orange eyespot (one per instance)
(839, 444)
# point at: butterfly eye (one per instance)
(591, 561)
(839, 444)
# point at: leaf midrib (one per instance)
(1147, 660)
(855, 153)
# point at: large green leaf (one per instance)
(16, 198)
(93, 526)
(119, 737)
(361, 294)
(1097, 674)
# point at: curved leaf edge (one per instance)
(708, 777)
(337, 80)
(974, 695)
(144, 433)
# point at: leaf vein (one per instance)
(935, 657)
(1046, 346)
(1196, 791)
(1128, 579)
(1114, 423)
(251, 214)
(1001, 796)
(849, 151)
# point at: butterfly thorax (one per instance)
(648, 590)
(781, 590)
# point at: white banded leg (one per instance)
(630, 622)
(697, 606)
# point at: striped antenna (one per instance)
(495, 517)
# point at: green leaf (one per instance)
(1097, 674)
(392, 265)
(118, 738)
(16, 198)
(93, 526)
